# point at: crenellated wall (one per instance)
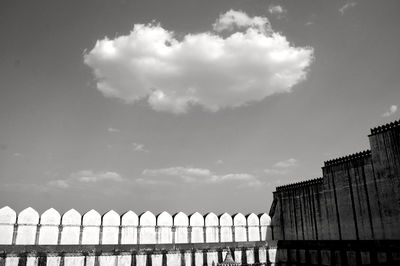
(358, 197)
(71, 228)
(349, 216)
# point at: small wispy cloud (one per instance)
(277, 10)
(273, 171)
(282, 167)
(391, 111)
(219, 162)
(286, 163)
(311, 20)
(17, 154)
(85, 176)
(139, 147)
(346, 7)
(89, 176)
(24, 188)
(238, 19)
(113, 130)
(59, 183)
(195, 175)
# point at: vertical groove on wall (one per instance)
(378, 199)
(282, 225)
(22, 260)
(80, 233)
(149, 261)
(301, 216)
(313, 210)
(293, 213)
(327, 220)
(14, 237)
(283, 222)
(368, 201)
(352, 200)
(336, 205)
(193, 258)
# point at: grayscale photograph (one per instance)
(199, 132)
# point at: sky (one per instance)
(186, 105)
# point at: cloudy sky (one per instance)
(186, 105)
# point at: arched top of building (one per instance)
(7, 215)
(264, 219)
(225, 220)
(147, 219)
(252, 220)
(71, 217)
(130, 219)
(196, 219)
(211, 219)
(51, 216)
(111, 218)
(181, 219)
(92, 217)
(28, 216)
(239, 219)
(164, 219)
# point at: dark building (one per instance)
(356, 201)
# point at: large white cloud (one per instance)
(206, 69)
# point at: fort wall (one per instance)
(356, 199)
(349, 216)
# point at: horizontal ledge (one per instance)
(363, 245)
(123, 248)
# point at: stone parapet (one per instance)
(72, 228)
(386, 127)
(316, 181)
(348, 158)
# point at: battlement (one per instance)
(301, 184)
(348, 158)
(72, 228)
(386, 127)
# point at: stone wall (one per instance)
(50, 228)
(358, 197)
(200, 254)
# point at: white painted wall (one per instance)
(91, 228)
(164, 224)
(8, 217)
(253, 227)
(110, 225)
(196, 222)
(71, 228)
(27, 221)
(212, 227)
(49, 227)
(128, 228)
(147, 223)
(239, 223)
(226, 223)
(181, 223)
